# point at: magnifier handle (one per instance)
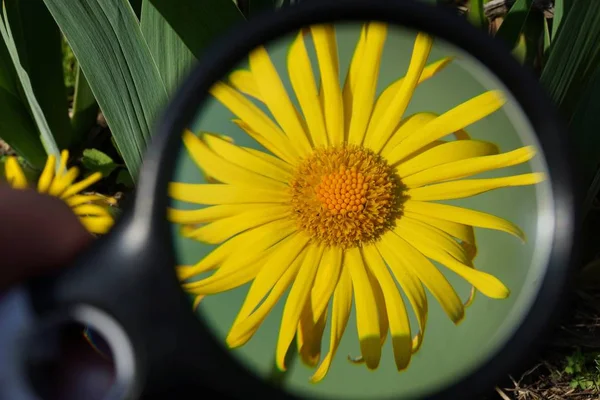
(128, 277)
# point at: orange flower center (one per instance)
(345, 196)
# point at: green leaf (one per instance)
(96, 161)
(17, 127)
(171, 55)
(38, 115)
(124, 178)
(547, 40)
(561, 9)
(106, 38)
(85, 108)
(38, 43)
(533, 32)
(584, 128)
(198, 22)
(514, 23)
(571, 62)
(475, 14)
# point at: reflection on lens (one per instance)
(342, 205)
(92, 209)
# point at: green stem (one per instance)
(277, 377)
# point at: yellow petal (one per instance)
(446, 153)
(279, 270)
(396, 311)
(256, 121)
(62, 182)
(407, 226)
(223, 229)
(91, 209)
(243, 81)
(62, 165)
(81, 185)
(303, 82)
(367, 321)
(431, 277)
(411, 286)
(241, 157)
(282, 256)
(14, 173)
(363, 92)
(342, 304)
(47, 174)
(460, 231)
(223, 170)
(238, 251)
(471, 187)
(333, 107)
(407, 127)
(327, 278)
(297, 298)
(381, 129)
(224, 194)
(353, 75)
(197, 301)
(278, 162)
(387, 96)
(464, 216)
(310, 334)
(451, 121)
(431, 248)
(206, 214)
(77, 200)
(468, 167)
(274, 95)
(97, 225)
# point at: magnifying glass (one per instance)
(346, 199)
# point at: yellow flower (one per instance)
(345, 209)
(61, 184)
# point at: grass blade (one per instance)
(85, 107)
(38, 115)
(547, 39)
(574, 56)
(171, 55)
(17, 127)
(38, 42)
(514, 23)
(584, 126)
(561, 9)
(198, 22)
(475, 14)
(106, 38)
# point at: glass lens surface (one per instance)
(365, 205)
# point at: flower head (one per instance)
(61, 183)
(343, 208)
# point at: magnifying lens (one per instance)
(345, 199)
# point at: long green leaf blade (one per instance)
(171, 55)
(476, 15)
(574, 56)
(512, 27)
(38, 43)
(85, 107)
(17, 127)
(198, 22)
(106, 38)
(38, 115)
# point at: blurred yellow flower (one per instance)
(61, 184)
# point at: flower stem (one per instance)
(277, 376)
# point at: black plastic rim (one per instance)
(149, 211)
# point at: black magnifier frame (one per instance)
(129, 274)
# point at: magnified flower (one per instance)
(61, 184)
(345, 208)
